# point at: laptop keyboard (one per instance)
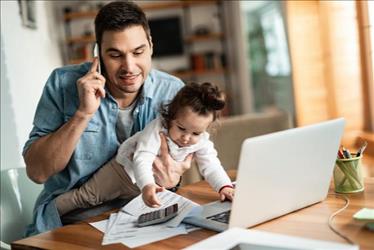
(221, 217)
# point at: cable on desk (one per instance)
(331, 218)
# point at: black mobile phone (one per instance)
(96, 53)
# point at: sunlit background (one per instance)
(312, 59)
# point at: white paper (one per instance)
(111, 221)
(122, 227)
(100, 225)
(230, 238)
(186, 207)
(139, 241)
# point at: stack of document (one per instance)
(122, 227)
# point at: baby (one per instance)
(184, 121)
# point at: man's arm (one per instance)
(50, 154)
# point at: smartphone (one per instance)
(96, 53)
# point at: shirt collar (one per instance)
(148, 86)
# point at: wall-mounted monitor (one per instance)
(166, 36)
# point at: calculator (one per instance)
(158, 216)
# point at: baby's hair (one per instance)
(203, 99)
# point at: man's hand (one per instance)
(90, 90)
(166, 170)
(51, 153)
(149, 195)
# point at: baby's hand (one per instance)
(227, 193)
(149, 195)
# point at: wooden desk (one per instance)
(310, 222)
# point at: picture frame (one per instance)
(28, 13)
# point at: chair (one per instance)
(18, 196)
(232, 131)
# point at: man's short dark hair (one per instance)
(117, 16)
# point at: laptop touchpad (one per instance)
(215, 208)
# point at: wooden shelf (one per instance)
(146, 6)
(149, 6)
(203, 38)
(172, 5)
(209, 62)
(192, 73)
(81, 39)
(80, 15)
(189, 39)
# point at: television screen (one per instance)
(166, 36)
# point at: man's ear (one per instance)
(150, 44)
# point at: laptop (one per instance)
(278, 173)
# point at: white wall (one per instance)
(27, 58)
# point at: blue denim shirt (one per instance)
(98, 143)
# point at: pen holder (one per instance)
(348, 175)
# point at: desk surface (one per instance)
(309, 222)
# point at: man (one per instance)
(83, 115)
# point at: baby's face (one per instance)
(188, 126)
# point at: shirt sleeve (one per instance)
(146, 151)
(49, 112)
(210, 166)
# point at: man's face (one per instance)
(126, 55)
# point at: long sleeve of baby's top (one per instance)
(147, 148)
(210, 166)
